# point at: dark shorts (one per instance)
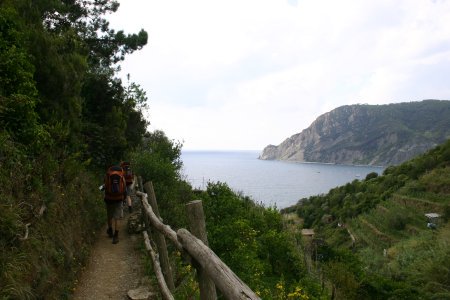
(114, 209)
(129, 190)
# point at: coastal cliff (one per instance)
(368, 134)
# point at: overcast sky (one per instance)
(242, 74)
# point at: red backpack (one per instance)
(128, 172)
(115, 187)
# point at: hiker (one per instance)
(129, 177)
(115, 193)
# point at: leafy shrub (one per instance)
(250, 239)
(446, 215)
(437, 181)
(397, 222)
(158, 160)
(371, 175)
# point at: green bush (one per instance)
(446, 214)
(397, 222)
(158, 160)
(371, 175)
(437, 181)
(251, 240)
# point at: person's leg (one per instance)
(109, 231)
(116, 225)
(117, 216)
(109, 215)
(110, 222)
(116, 231)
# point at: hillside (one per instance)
(368, 134)
(64, 117)
(372, 237)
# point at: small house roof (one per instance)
(307, 231)
(432, 215)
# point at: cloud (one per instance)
(244, 74)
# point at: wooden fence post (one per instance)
(144, 216)
(197, 227)
(160, 239)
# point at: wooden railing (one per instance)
(211, 271)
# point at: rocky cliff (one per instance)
(368, 134)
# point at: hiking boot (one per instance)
(116, 237)
(109, 232)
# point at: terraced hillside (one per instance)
(376, 240)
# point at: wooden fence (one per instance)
(211, 271)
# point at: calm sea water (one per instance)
(276, 183)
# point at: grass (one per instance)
(414, 253)
(46, 262)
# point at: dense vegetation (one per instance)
(394, 255)
(372, 240)
(248, 237)
(64, 117)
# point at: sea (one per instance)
(277, 184)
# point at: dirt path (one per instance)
(113, 269)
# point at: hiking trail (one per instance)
(114, 269)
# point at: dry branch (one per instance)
(26, 232)
(165, 292)
(41, 210)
